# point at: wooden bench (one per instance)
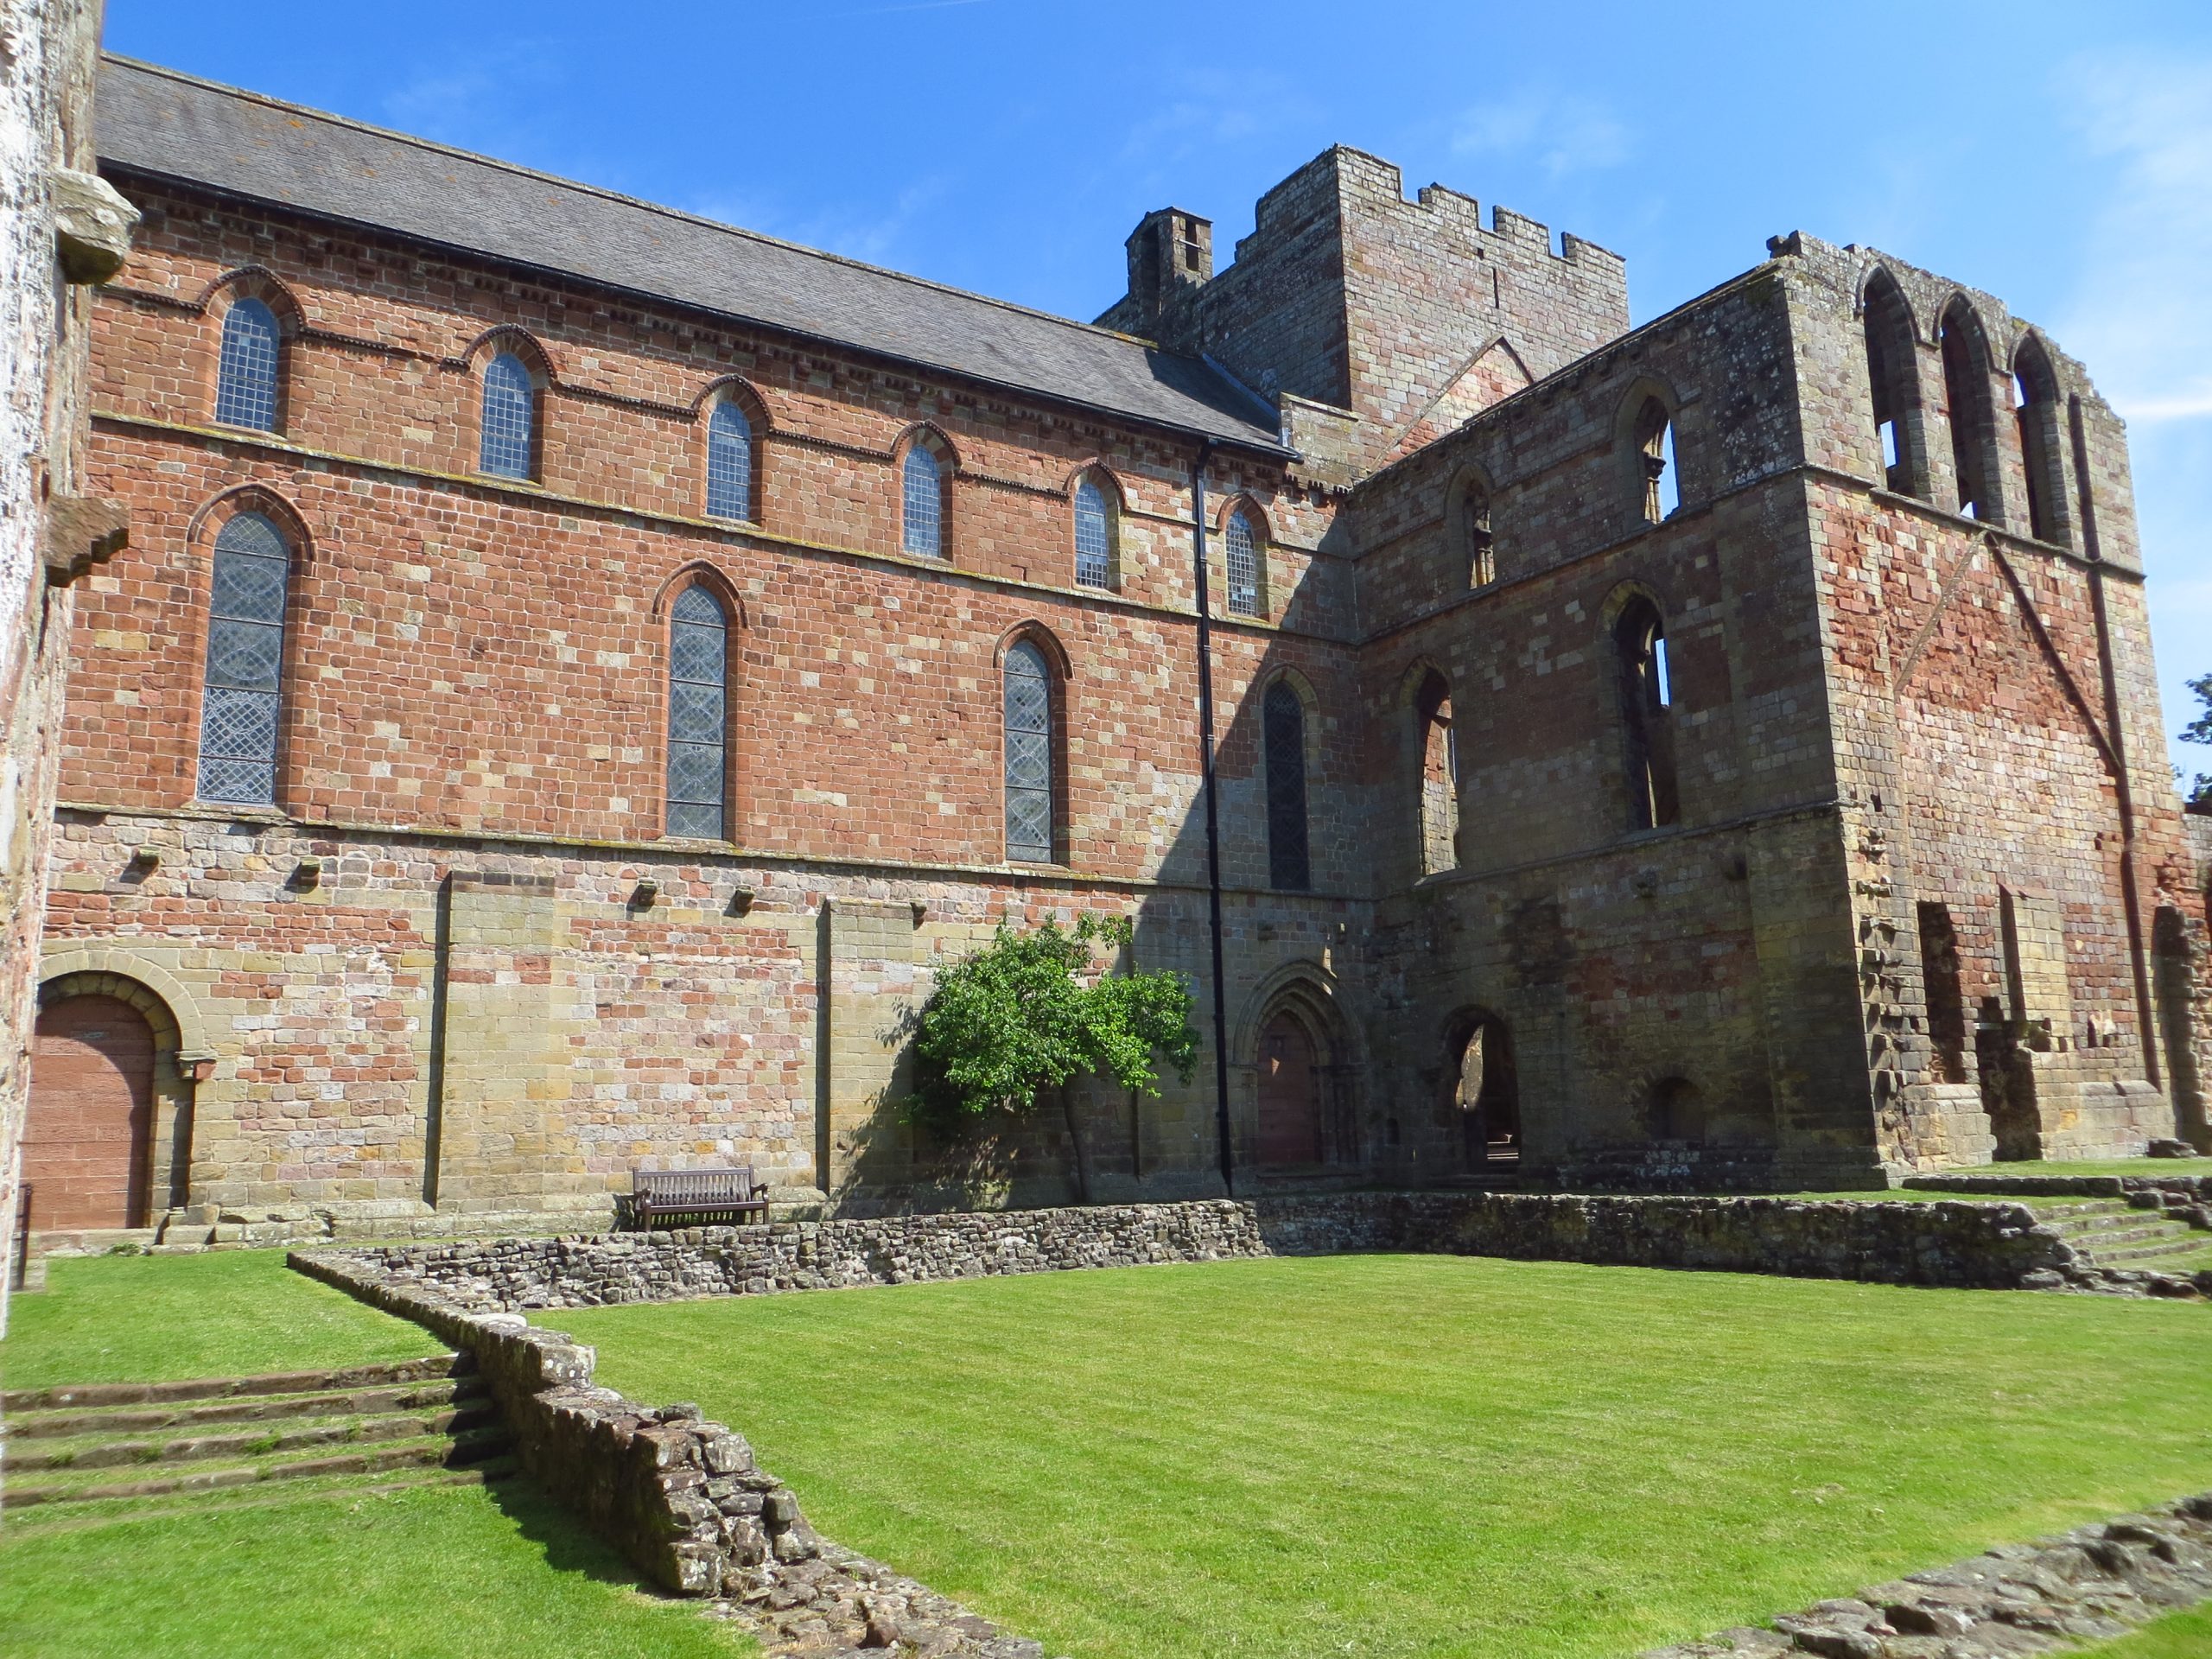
(696, 1195)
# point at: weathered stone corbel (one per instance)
(81, 532)
(91, 224)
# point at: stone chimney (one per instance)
(1171, 254)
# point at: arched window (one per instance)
(1893, 376)
(1647, 712)
(698, 715)
(243, 690)
(1094, 536)
(922, 532)
(245, 374)
(1241, 548)
(510, 417)
(1282, 717)
(729, 463)
(1028, 755)
(1966, 390)
(1677, 1112)
(1488, 1095)
(1474, 515)
(2036, 412)
(1655, 448)
(1439, 778)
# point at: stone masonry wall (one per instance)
(1989, 1246)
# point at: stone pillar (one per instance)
(868, 991)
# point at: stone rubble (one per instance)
(2092, 1584)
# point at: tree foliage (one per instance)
(2200, 731)
(1031, 1013)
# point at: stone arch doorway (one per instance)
(1291, 1127)
(1486, 1092)
(88, 1138)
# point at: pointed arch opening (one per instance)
(1485, 1090)
(2038, 415)
(1656, 479)
(1647, 698)
(732, 454)
(1244, 543)
(1467, 527)
(1437, 803)
(507, 430)
(1030, 716)
(925, 469)
(242, 687)
(698, 715)
(1972, 416)
(248, 372)
(1097, 531)
(1893, 378)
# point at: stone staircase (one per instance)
(2128, 1233)
(106, 1450)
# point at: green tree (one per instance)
(1032, 1013)
(2200, 731)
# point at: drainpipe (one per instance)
(1213, 816)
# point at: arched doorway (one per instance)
(1290, 1128)
(87, 1143)
(1488, 1095)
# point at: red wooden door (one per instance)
(91, 1115)
(1290, 1104)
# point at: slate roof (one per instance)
(154, 121)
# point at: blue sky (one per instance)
(2058, 155)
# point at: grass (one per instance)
(2182, 1636)
(2094, 1166)
(158, 1318)
(455, 1571)
(1398, 1456)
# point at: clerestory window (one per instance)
(1028, 755)
(242, 701)
(698, 715)
(510, 418)
(729, 463)
(1241, 556)
(246, 373)
(922, 530)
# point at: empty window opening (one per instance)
(1291, 1124)
(1967, 393)
(729, 463)
(1893, 377)
(1677, 1112)
(245, 375)
(510, 418)
(1094, 536)
(1488, 1097)
(1482, 554)
(922, 533)
(1947, 1008)
(698, 716)
(2036, 415)
(240, 712)
(1283, 717)
(1241, 553)
(1028, 755)
(1647, 714)
(1655, 444)
(1439, 778)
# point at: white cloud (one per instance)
(1564, 133)
(2142, 315)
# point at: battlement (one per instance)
(1408, 312)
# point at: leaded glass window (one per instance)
(510, 412)
(238, 715)
(1243, 560)
(698, 721)
(1028, 755)
(1283, 717)
(245, 375)
(1094, 537)
(729, 463)
(924, 488)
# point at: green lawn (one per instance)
(2094, 1166)
(1386, 1455)
(440, 1572)
(2183, 1636)
(155, 1319)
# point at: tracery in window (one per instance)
(729, 463)
(510, 418)
(698, 715)
(243, 689)
(246, 373)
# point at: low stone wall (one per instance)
(1981, 1246)
(2061, 1186)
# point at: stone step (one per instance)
(81, 1394)
(276, 1408)
(441, 1451)
(2098, 1239)
(111, 1451)
(2140, 1253)
(69, 1515)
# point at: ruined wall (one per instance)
(58, 231)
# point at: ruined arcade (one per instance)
(578, 668)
